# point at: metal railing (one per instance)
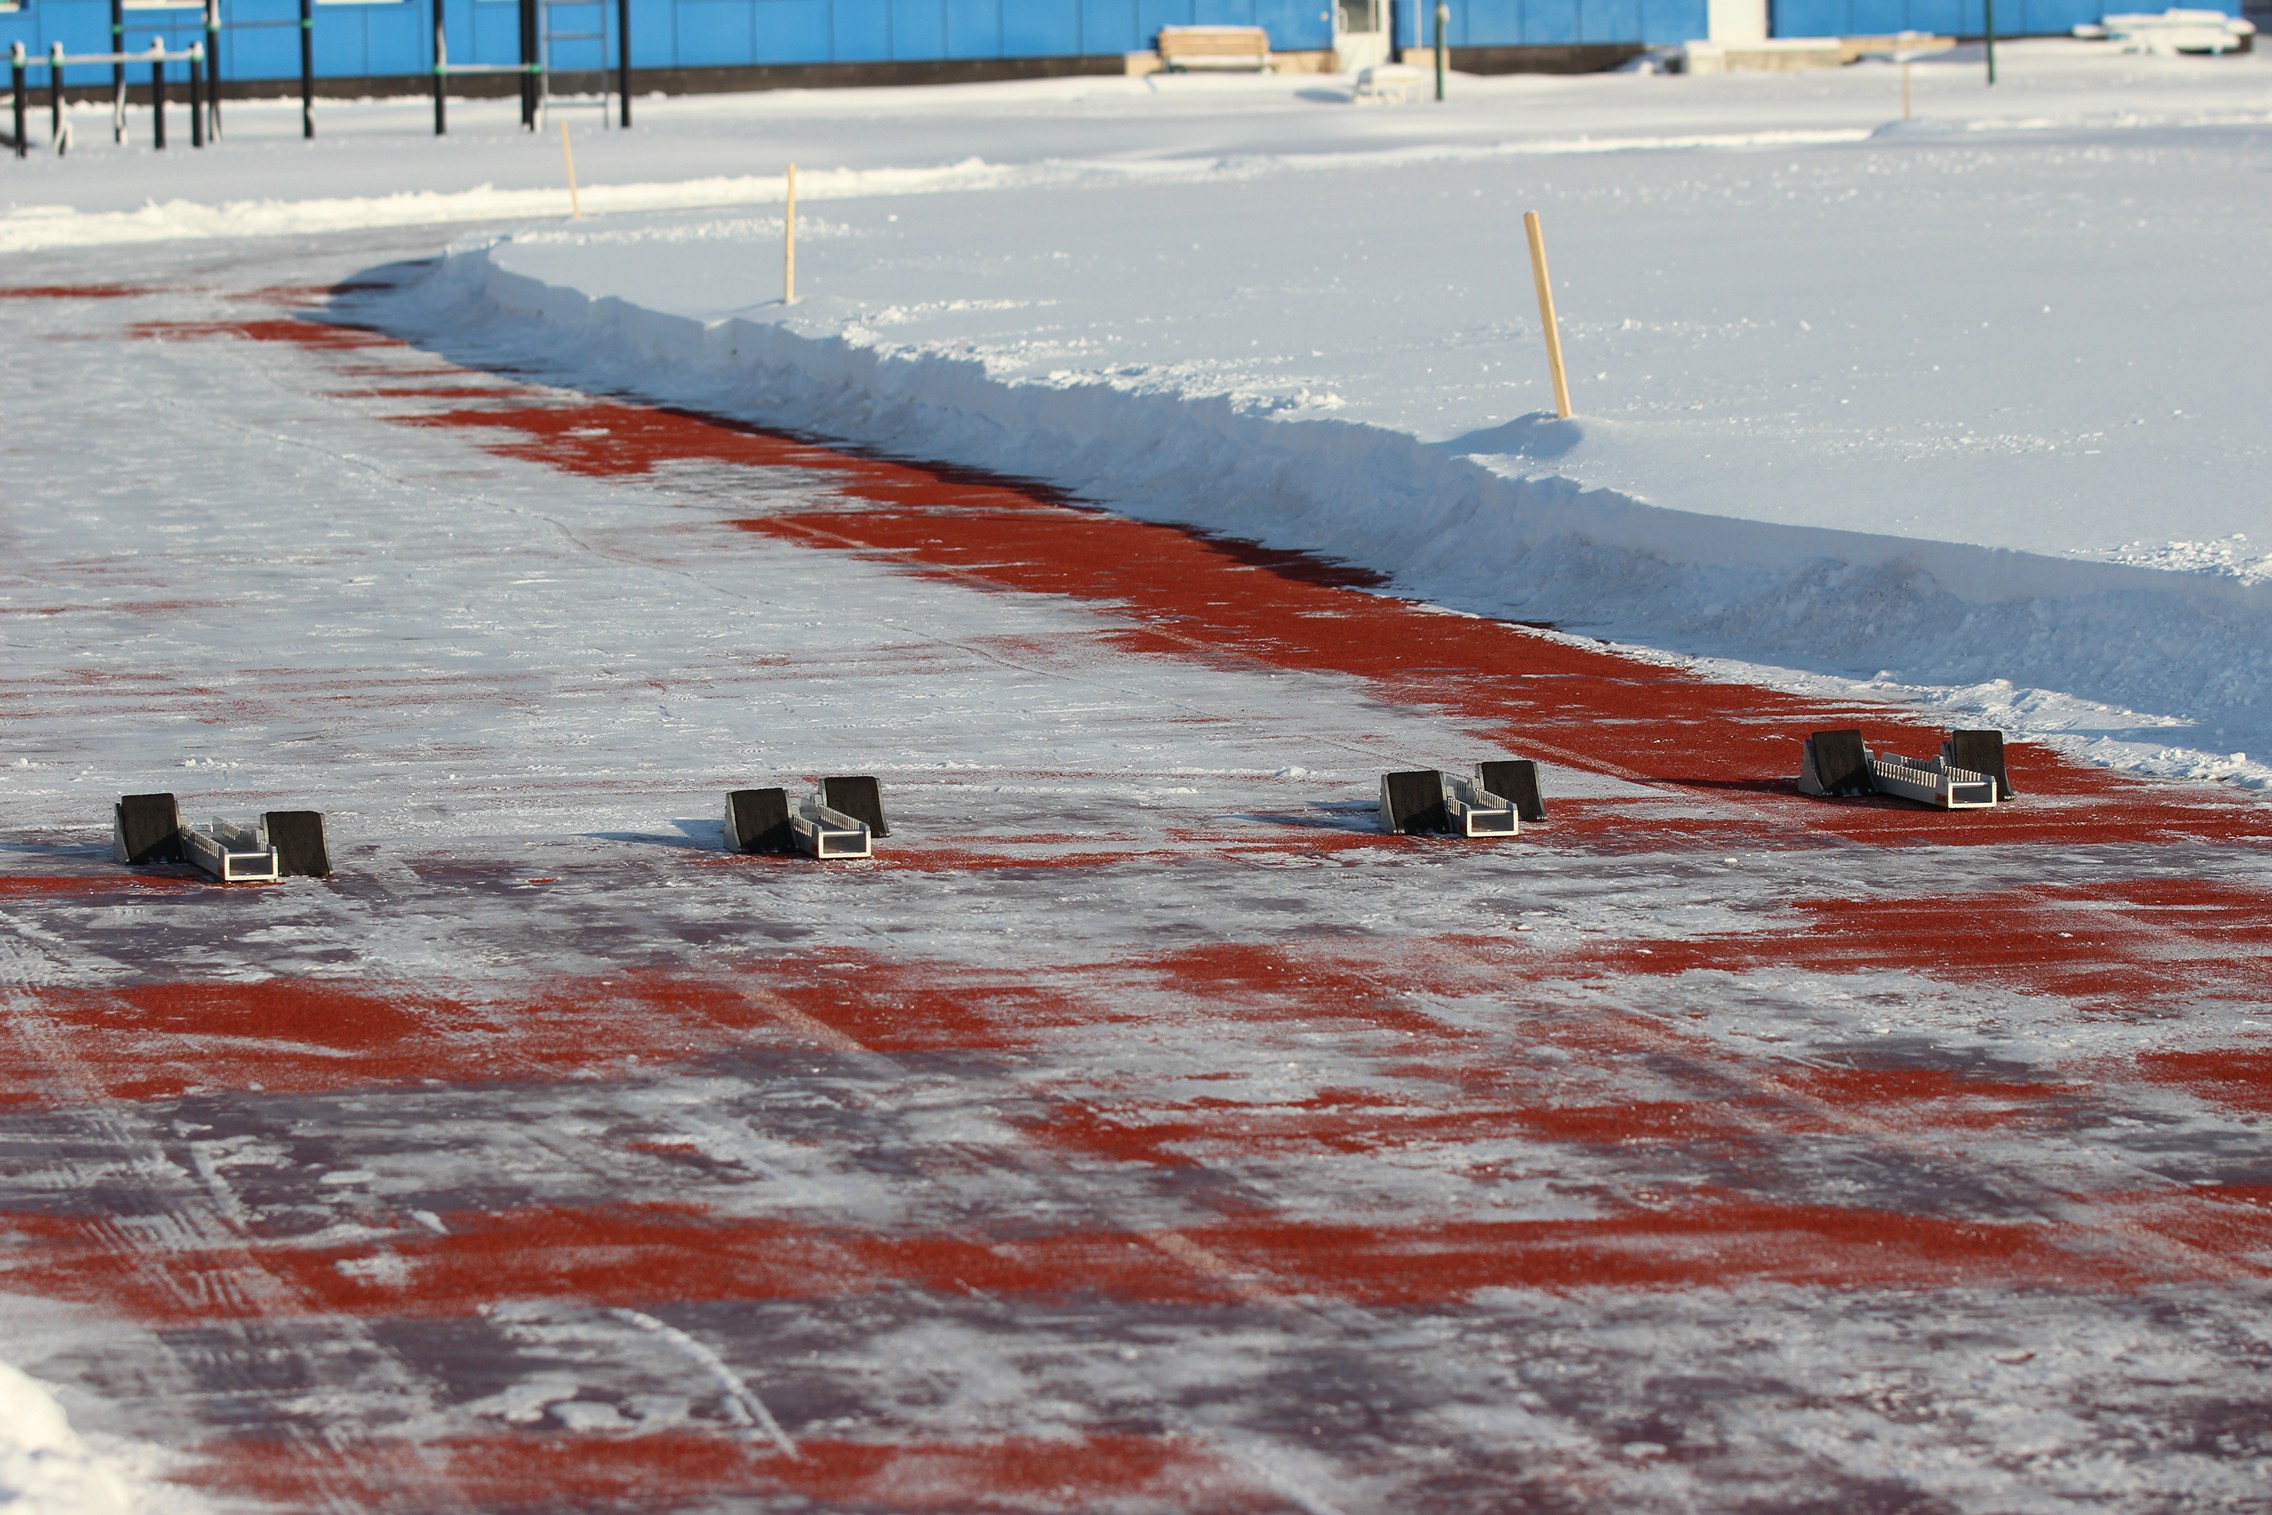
(56, 60)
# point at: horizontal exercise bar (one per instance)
(195, 53)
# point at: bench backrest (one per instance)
(1214, 42)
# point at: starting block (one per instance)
(1425, 801)
(147, 828)
(1837, 765)
(840, 820)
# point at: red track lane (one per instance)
(1538, 693)
(542, 1470)
(648, 1256)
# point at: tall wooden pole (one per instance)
(1546, 313)
(568, 156)
(789, 243)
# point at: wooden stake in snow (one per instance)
(789, 243)
(1546, 313)
(1905, 89)
(568, 156)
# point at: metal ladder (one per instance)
(549, 32)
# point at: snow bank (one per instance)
(45, 1468)
(2038, 643)
(36, 227)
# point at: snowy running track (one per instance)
(1139, 1130)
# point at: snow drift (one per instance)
(2160, 666)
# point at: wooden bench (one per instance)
(1228, 47)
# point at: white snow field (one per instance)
(1141, 1131)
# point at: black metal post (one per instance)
(196, 97)
(55, 97)
(16, 69)
(213, 69)
(1989, 18)
(1443, 25)
(158, 101)
(441, 73)
(307, 68)
(528, 64)
(623, 57)
(118, 70)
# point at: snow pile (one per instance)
(45, 1468)
(35, 227)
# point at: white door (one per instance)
(1360, 34)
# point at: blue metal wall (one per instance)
(1535, 23)
(373, 38)
(1962, 18)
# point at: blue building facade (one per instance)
(1958, 18)
(1553, 23)
(380, 39)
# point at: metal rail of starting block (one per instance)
(1931, 781)
(824, 832)
(231, 853)
(1476, 811)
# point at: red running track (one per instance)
(1629, 1183)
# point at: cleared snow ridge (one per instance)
(46, 1468)
(2132, 665)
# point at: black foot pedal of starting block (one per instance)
(757, 820)
(146, 828)
(1835, 763)
(1983, 753)
(1412, 803)
(297, 838)
(1516, 781)
(859, 797)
